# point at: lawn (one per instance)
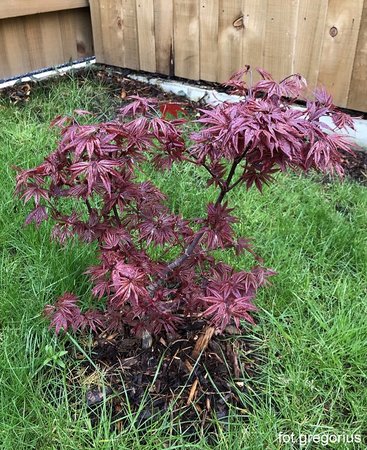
(311, 331)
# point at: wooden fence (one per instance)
(35, 34)
(325, 40)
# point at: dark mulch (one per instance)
(121, 87)
(356, 166)
(166, 376)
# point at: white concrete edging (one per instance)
(213, 97)
(48, 73)
(190, 91)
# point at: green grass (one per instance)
(312, 331)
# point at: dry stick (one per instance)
(203, 341)
(192, 392)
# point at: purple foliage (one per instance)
(97, 165)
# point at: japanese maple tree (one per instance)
(99, 169)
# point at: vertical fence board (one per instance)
(33, 42)
(325, 40)
(254, 13)
(209, 10)
(95, 13)
(146, 35)
(3, 53)
(83, 33)
(357, 98)
(17, 58)
(130, 34)
(52, 48)
(339, 46)
(112, 35)
(163, 28)
(68, 36)
(230, 39)
(186, 38)
(280, 34)
(75, 33)
(310, 35)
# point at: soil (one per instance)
(168, 376)
(355, 166)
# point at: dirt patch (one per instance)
(122, 87)
(166, 376)
(356, 166)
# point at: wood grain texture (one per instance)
(15, 48)
(130, 40)
(280, 37)
(146, 35)
(68, 41)
(16, 8)
(51, 40)
(163, 29)
(209, 23)
(325, 40)
(33, 42)
(310, 34)
(3, 53)
(357, 98)
(254, 13)
(230, 39)
(83, 32)
(75, 34)
(339, 47)
(112, 32)
(95, 13)
(44, 40)
(186, 38)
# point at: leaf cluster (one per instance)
(98, 168)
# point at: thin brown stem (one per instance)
(223, 192)
(235, 184)
(206, 167)
(116, 214)
(225, 189)
(88, 206)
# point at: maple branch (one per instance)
(116, 214)
(212, 174)
(232, 186)
(88, 205)
(223, 191)
(235, 184)
(209, 170)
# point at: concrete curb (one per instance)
(213, 97)
(188, 90)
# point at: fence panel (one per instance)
(35, 34)
(357, 97)
(210, 39)
(339, 45)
